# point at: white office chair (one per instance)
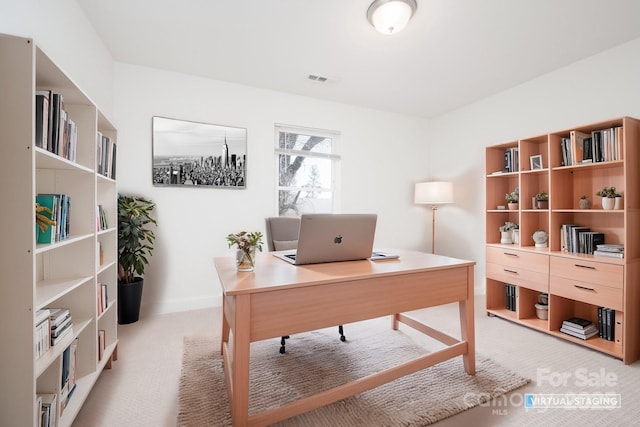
(282, 234)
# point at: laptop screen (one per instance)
(335, 237)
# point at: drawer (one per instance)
(594, 272)
(518, 276)
(590, 293)
(519, 259)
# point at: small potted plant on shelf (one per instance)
(542, 200)
(135, 245)
(506, 232)
(609, 197)
(246, 244)
(512, 199)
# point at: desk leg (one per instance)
(241, 351)
(225, 326)
(467, 327)
(394, 321)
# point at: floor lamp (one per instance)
(433, 193)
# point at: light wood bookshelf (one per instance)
(577, 283)
(64, 274)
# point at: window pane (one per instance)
(302, 171)
(297, 202)
(301, 142)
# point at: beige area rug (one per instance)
(318, 360)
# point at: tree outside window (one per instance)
(307, 170)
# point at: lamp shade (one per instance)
(433, 193)
(391, 16)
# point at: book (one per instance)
(583, 331)
(610, 247)
(577, 322)
(42, 118)
(577, 145)
(607, 254)
(577, 334)
(47, 236)
(101, 343)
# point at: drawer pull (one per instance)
(508, 254)
(510, 271)
(584, 288)
(585, 266)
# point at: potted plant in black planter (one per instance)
(135, 245)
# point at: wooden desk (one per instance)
(281, 299)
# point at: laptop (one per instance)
(332, 237)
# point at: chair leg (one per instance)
(341, 332)
(282, 343)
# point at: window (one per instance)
(307, 170)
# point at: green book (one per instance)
(49, 201)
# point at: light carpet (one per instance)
(318, 360)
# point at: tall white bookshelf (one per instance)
(65, 274)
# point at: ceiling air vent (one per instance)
(317, 78)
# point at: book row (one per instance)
(56, 208)
(103, 298)
(577, 239)
(106, 156)
(510, 296)
(607, 323)
(55, 130)
(511, 160)
(598, 146)
(101, 219)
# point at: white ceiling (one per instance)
(453, 52)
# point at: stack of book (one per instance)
(61, 324)
(607, 323)
(609, 250)
(510, 296)
(579, 328)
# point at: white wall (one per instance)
(62, 31)
(383, 154)
(380, 164)
(601, 87)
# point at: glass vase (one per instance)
(245, 260)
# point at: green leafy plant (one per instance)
(135, 238)
(508, 226)
(609, 192)
(542, 196)
(512, 197)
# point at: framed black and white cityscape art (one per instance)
(193, 154)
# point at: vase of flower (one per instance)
(245, 259)
(246, 245)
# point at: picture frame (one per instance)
(536, 162)
(195, 154)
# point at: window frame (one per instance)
(334, 156)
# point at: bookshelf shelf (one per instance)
(64, 274)
(577, 284)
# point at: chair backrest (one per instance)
(282, 232)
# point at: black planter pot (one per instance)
(129, 299)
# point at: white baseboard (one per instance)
(182, 304)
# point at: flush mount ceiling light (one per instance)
(391, 16)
